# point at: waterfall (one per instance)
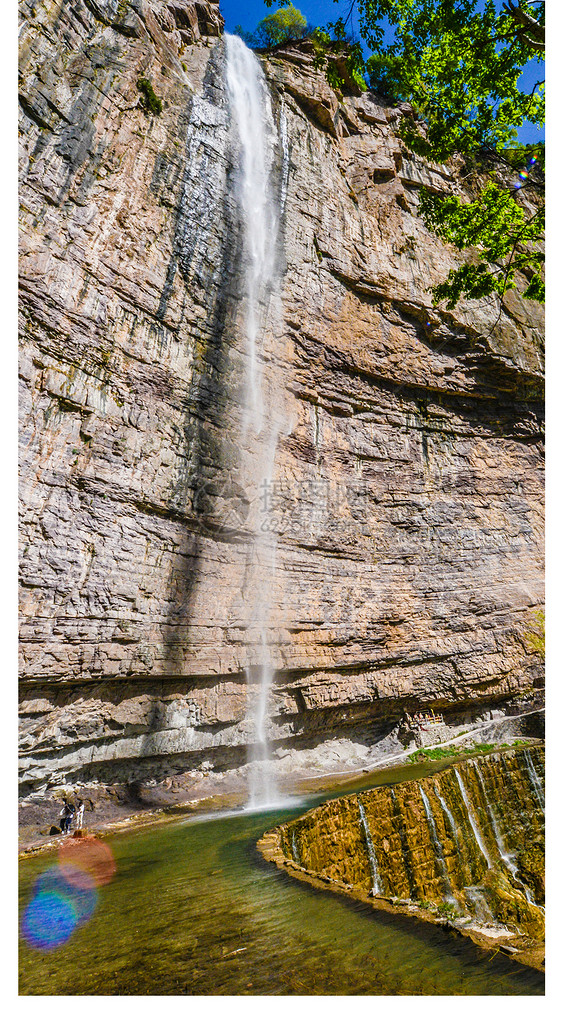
(294, 847)
(253, 143)
(534, 778)
(450, 818)
(400, 850)
(472, 819)
(477, 902)
(377, 884)
(437, 849)
(505, 857)
(251, 114)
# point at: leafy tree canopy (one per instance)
(460, 64)
(285, 25)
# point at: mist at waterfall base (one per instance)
(254, 139)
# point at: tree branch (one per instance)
(534, 32)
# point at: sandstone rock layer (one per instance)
(406, 494)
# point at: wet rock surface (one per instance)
(466, 844)
(406, 493)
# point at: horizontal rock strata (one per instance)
(406, 495)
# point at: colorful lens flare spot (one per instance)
(65, 896)
(82, 895)
(48, 921)
(87, 857)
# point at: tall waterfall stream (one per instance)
(255, 137)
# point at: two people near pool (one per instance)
(69, 813)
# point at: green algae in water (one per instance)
(194, 910)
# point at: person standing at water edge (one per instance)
(67, 814)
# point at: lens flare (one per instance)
(65, 896)
(77, 888)
(87, 856)
(48, 921)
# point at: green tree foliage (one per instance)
(459, 64)
(339, 56)
(505, 235)
(285, 25)
(149, 100)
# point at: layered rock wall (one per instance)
(406, 492)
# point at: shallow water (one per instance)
(194, 910)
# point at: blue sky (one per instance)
(248, 13)
(319, 12)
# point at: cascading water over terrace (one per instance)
(377, 884)
(430, 842)
(472, 819)
(534, 779)
(437, 848)
(254, 140)
(505, 857)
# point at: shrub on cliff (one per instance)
(286, 25)
(149, 99)
(460, 65)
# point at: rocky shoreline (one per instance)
(107, 806)
(110, 816)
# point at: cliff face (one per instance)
(406, 491)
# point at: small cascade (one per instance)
(472, 819)
(295, 847)
(504, 855)
(437, 849)
(506, 859)
(450, 819)
(375, 876)
(478, 904)
(534, 778)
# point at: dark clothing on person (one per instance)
(67, 814)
